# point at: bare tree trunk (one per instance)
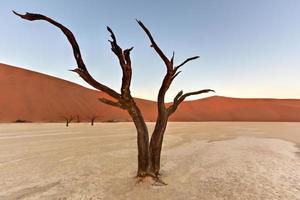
(156, 144)
(93, 118)
(142, 139)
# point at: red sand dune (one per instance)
(36, 97)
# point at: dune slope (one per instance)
(36, 97)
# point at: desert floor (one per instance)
(208, 160)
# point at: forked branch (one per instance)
(180, 97)
(172, 73)
(125, 63)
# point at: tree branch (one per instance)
(176, 74)
(154, 45)
(66, 31)
(125, 63)
(180, 97)
(169, 74)
(127, 56)
(91, 81)
(115, 47)
(112, 103)
(172, 58)
(186, 61)
(81, 70)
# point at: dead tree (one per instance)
(149, 152)
(68, 120)
(92, 119)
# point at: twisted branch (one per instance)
(81, 69)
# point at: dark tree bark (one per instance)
(148, 152)
(93, 118)
(68, 120)
(164, 112)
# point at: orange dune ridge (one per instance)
(35, 97)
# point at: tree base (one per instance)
(150, 178)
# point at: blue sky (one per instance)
(248, 48)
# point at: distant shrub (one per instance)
(21, 121)
(112, 121)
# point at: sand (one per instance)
(199, 161)
(35, 97)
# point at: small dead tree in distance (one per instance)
(68, 120)
(92, 119)
(149, 152)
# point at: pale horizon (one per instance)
(247, 49)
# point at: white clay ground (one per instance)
(200, 161)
